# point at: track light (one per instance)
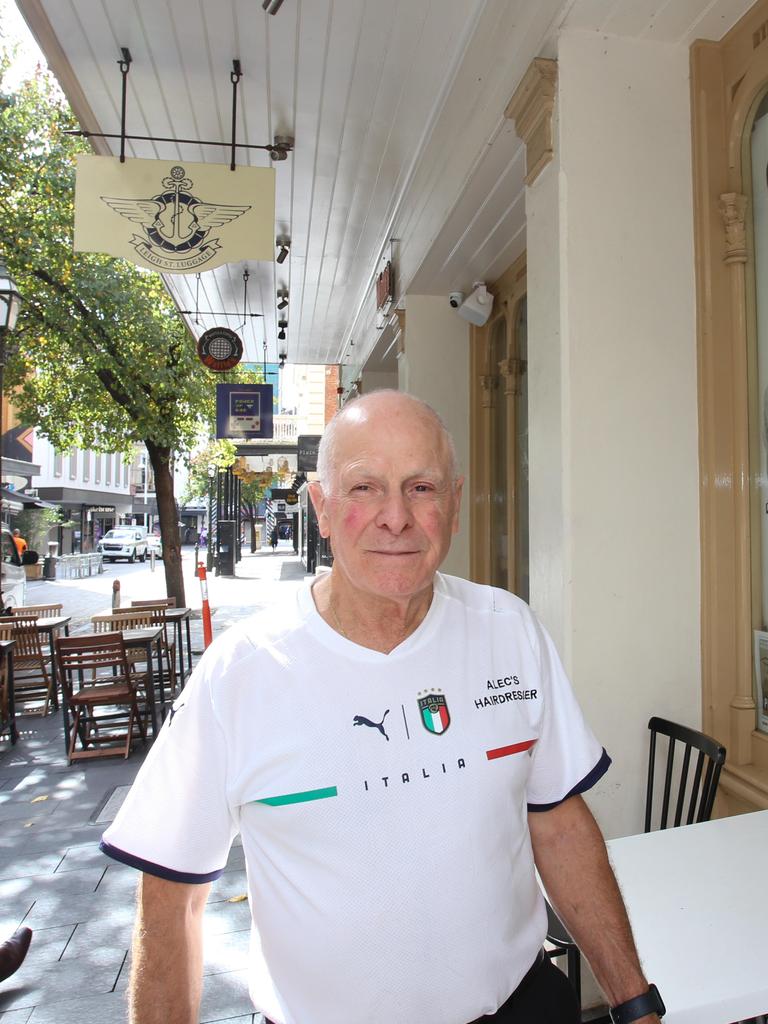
(283, 297)
(282, 324)
(272, 6)
(283, 358)
(284, 244)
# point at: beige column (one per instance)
(733, 211)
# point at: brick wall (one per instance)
(331, 397)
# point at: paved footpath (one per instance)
(53, 878)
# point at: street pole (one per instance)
(10, 303)
(209, 534)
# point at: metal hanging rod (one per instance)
(214, 312)
(234, 76)
(278, 150)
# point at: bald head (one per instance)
(380, 408)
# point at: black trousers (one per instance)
(544, 996)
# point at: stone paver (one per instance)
(53, 876)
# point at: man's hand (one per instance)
(570, 855)
(167, 974)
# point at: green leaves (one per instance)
(103, 359)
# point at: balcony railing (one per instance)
(285, 430)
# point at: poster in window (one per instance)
(761, 679)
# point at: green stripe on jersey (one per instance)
(299, 798)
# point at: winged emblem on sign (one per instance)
(176, 224)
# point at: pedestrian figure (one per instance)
(18, 540)
(273, 538)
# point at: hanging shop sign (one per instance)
(244, 410)
(219, 349)
(307, 446)
(291, 499)
(174, 218)
(385, 287)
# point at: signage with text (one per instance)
(244, 410)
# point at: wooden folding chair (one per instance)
(99, 691)
(38, 611)
(33, 682)
(168, 644)
(128, 618)
(33, 612)
(166, 602)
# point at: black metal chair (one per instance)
(697, 792)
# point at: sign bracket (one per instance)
(125, 66)
(278, 149)
(234, 76)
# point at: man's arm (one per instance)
(166, 980)
(570, 855)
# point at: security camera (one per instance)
(477, 307)
(456, 299)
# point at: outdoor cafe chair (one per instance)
(168, 643)
(696, 791)
(167, 602)
(129, 618)
(33, 681)
(38, 611)
(100, 693)
(33, 612)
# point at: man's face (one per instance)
(391, 507)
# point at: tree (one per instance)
(104, 360)
(253, 485)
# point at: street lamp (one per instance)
(209, 555)
(10, 304)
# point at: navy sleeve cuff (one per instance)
(158, 870)
(586, 783)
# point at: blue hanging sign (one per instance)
(244, 411)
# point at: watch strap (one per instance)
(640, 1006)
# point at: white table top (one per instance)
(696, 896)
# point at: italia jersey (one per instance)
(382, 801)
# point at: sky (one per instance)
(14, 29)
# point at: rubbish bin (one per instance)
(227, 547)
(49, 562)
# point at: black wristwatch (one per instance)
(640, 1006)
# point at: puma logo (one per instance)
(173, 712)
(361, 720)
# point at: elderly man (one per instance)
(397, 749)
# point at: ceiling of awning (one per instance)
(397, 111)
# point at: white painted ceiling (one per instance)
(397, 110)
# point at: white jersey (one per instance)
(382, 801)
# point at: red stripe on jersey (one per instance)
(514, 748)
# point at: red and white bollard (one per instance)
(206, 611)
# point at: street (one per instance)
(253, 586)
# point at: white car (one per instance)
(129, 542)
(155, 545)
(14, 579)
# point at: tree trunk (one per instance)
(169, 523)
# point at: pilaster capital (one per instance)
(733, 208)
(531, 109)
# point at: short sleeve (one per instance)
(567, 759)
(176, 821)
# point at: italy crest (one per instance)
(434, 713)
